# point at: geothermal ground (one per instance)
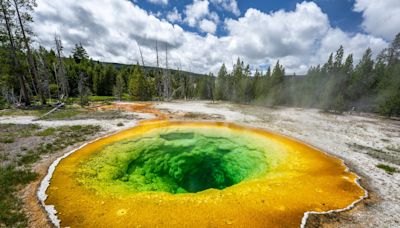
(362, 141)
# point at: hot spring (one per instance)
(197, 174)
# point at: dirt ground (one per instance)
(362, 141)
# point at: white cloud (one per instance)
(110, 31)
(278, 34)
(174, 16)
(380, 18)
(228, 5)
(208, 26)
(160, 2)
(196, 11)
(199, 15)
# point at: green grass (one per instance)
(28, 131)
(11, 180)
(64, 113)
(101, 98)
(19, 112)
(390, 170)
(76, 100)
(46, 132)
(7, 140)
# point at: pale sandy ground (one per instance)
(361, 141)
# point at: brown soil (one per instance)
(134, 107)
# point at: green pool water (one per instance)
(175, 161)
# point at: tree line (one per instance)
(32, 76)
(370, 85)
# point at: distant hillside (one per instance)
(149, 68)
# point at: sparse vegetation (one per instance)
(7, 140)
(11, 180)
(390, 170)
(15, 173)
(46, 132)
(62, 138)
(65, 113)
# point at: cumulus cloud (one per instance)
(112, 30)
(196, 11)
(199, 15)
(277, 34)
(174, 16)
(228, 5)
(380, 18)
(208, 26)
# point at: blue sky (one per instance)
(201, 35)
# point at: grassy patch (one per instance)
(390, 170)
(101, 98)
(28, 130)
(7, 140)
(76, 100)
(46, 132)
(29, 158)
(9, 132)
(11, 179)
(63, 137)
(65, 113)
(19, 112)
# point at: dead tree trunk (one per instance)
(141, 55)
(158, 76)
(166, 79)
(17, 65)
(60, 71)
(158, 61)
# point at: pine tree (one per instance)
(276, 84)
(328, 66)
(337, 65)
(222, 90)
(237, 77)
(348, 66)
(79, 53)
(119, 86)
(138, 87)
(363, 78)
